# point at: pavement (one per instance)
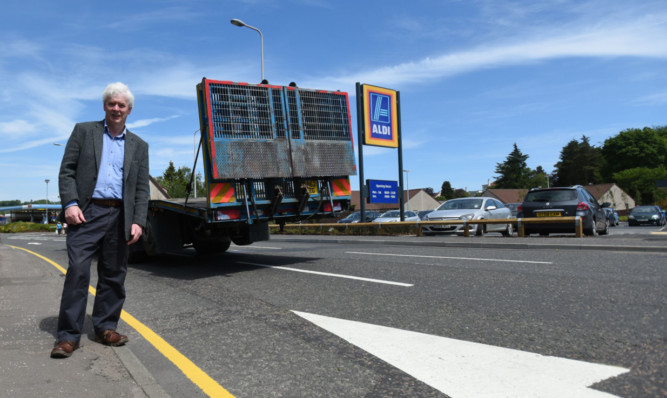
(29, 298)
(30, 295)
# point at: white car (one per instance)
(476, 208)
(395, 215)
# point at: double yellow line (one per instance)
(209, 386)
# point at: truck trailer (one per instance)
(271, 154)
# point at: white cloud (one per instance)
(644, 37)
(16, 128)
(147, 122)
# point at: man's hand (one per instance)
(136, 232)
(74, 215)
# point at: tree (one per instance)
(446, 190)
(460, 193)
(429, 191)
(176, 181)
(538, 178)
(639, 182)
(633, 148)
(513, 172)
(580, 163)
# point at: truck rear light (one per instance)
(519, 209)
(327, 207)
(582, 206)
(228, 214)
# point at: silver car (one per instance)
(395, 216)
(477, 208)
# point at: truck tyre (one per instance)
(210, 246)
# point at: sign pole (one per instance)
(400, 156)
(360, 140)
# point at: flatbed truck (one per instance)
(270, 154)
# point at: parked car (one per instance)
(513, 207)
(355, 217)
(395, 215)
(564, 202)
(612, 215)
(477, 208)
(423, 213)
(646, 215)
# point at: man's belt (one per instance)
(107, 202)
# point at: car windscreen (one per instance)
(553, 195)
(391, 214)
(644, 209)
(462, 204)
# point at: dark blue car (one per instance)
(647, 215)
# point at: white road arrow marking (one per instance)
(465, 369)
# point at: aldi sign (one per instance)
(380, 117)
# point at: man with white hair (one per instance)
(103, 185)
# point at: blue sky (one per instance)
(475, 76)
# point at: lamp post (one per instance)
(407, 184)
(238, 22)
(46, 210)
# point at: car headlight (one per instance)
(467, 217)
(654, 217)
(631, 216)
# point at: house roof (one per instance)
(598, 190)
(516, 195)
(507, 195)
(408, 194)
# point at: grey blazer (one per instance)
(81, 163)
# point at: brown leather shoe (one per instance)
(64, 349)
(111, 337)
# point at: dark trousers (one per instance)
(102, 235)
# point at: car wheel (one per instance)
(593, 231)
(480, 230)
(508, 231)
(605, 231)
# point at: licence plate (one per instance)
(312, 187)
(548, 214)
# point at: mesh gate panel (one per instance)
(261, 131)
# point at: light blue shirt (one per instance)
(110, 176)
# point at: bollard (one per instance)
(578, 227)
(521, 232)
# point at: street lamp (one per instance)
(240, 23)
(46, 209)
(407, 184)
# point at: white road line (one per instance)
(260, 247)
(452, 258)
(328, 274)
(465, 369)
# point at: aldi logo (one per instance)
(380, 116)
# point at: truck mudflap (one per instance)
(250, 233)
